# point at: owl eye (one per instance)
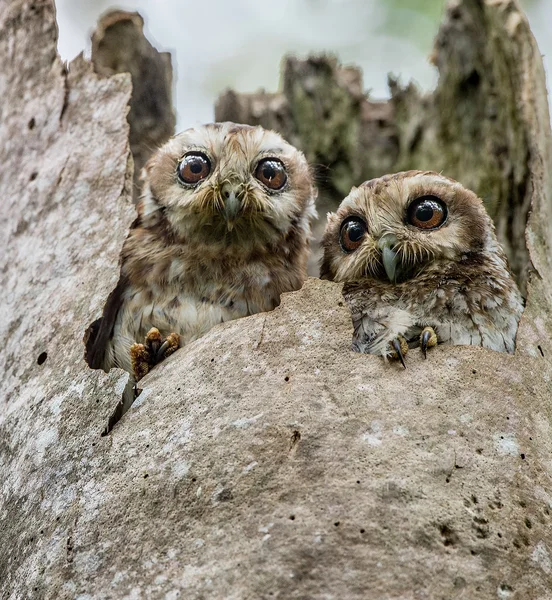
(272, 173)
(427, 212)
(193, 168)
(352, 233)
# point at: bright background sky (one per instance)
(218, 44)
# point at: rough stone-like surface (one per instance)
(265, 460)
(280, 464)
(65, 210)
(120, 46)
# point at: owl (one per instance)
(421, 265)
(223, 228)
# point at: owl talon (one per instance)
(144, 357)
(428, 339)
(153, 341)
(140, 359)
(399, 348)
(168, 347)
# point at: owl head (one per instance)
(224, 181)
(391, 228)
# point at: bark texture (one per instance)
(119, 46)
(265, 460)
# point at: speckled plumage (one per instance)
(454, 279)
(187, 266)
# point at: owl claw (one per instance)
(168, 347)
(144, 357)
(399, 348)
(428, 339)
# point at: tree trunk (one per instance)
(267, 460)
(119, 46)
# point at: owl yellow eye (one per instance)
(272, 173)
(427, 212)
(352, 233)
(193, 168)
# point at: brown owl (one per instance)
(421, 265)
(223, 229)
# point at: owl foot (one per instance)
(144, 357)
(428, 339)
(398, 349)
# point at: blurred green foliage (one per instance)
(414, 20)
(418, 20)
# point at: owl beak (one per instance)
(232, 204)
(389, 258)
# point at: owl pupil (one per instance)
(355, 231)
(196, 167)
(268, 172)
(424, 213)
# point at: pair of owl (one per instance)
(224, 226)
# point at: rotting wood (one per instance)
(120, 46)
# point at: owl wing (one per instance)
(100, 332)
(376, 323)
(373, 333)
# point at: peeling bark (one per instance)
(119, 46)
(265, 460)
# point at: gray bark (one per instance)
(119, 46)
(265, 460)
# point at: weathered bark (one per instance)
(119, 46)
(265, 460)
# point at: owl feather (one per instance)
(417, 250)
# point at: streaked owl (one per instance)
(421, 265)
(223, 229)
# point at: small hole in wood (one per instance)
(31, 124)
(41, 358)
